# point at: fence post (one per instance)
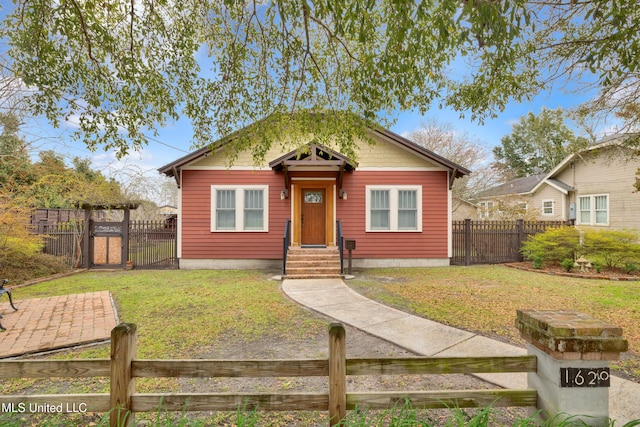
(87, 258)
(573, 351)
(520, 231)
(123, 350)
(467, 241)
(124, 256)
(337, 374)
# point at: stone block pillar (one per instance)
(573, 351)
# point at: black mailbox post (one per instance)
(350, 244)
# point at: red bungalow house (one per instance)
(395, 202)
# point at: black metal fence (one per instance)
(493, 242)
(152, 244)
(62, 240)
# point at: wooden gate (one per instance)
(107, 244)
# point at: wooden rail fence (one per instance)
(123, 368)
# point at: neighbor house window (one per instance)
(394, 208)
(594, 210)
(547, 207)
(486, 210)
(239, 208)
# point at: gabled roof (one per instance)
(457, 171)
(170, 169)
(316, 156)
(517, 186)
(531, 184)
(609, 141)
(563, 187)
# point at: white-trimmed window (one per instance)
(547, 207)
(397, 208)
(594, 210)
(486, 210)
(239, 208)
(522, 208)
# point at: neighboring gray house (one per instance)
(509, 200)
(462, 209)
(594, 187)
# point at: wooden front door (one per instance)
(313, 219)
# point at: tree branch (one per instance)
(85, 32)
(333, 36)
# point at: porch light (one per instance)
(343, 195)
(284, 194)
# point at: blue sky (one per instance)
(174, 140)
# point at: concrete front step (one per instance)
(313, 263)
(302, 263)
(313, 276)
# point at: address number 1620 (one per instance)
(585, 377)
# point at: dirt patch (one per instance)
(359, 344)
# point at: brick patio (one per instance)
(44, 324)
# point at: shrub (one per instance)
(19, 268)
(567, 264)
(554, 245)
(538, 261)
(630, 268)
(597, 267)
(612, 248)
(15, 237)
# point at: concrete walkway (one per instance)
(333, 298)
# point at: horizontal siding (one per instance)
(198, 242)
(611, 173)
(383, 154)
(549, 193)
(431, 243)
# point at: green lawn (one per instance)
(182, 313)
(178, 312)
(485, 299)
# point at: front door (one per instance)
(313, 220)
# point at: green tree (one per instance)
(15, 163)
(59, 186)
(536, 145)
(126, 68)
(592, 45)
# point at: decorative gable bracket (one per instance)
(318, 156)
